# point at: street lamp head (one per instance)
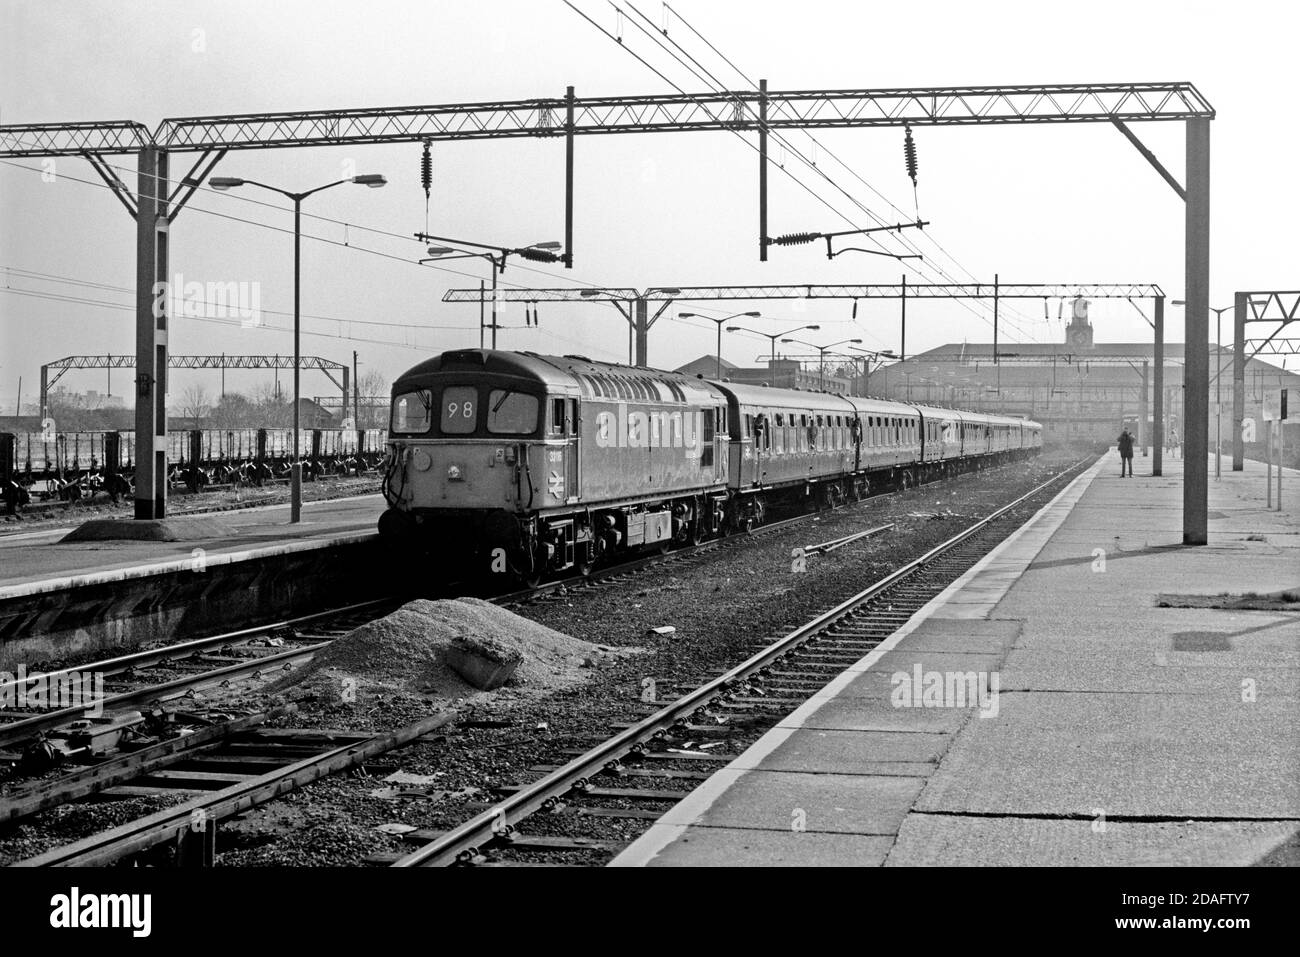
(225, 182)
(548, 245)
(373, 180)
(440, 250)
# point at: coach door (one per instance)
(573, 442)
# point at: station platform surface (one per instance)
(36, 562)
(1105, 729)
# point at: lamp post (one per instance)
(772, 361)
(866, 365)
(719, 322)
(1218, 387)
(821, 357)
(537, 252)
(374, 181)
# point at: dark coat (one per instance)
(1126, 445)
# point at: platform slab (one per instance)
(36, 563)
(1181, 727)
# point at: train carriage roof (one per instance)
(761, 395)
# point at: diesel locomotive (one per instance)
(522, 464)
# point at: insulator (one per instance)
(855, 309)
(909, 153)
(795, 239)
(535, 322)
(426, 170)
(538, 255)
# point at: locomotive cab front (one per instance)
(477, 440)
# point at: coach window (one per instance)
(413, 413)
(556, 425)
(459, 410)
(511, 413)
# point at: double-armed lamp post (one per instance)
(869, 355)
(773, 337)
(821, 356)
(496, 255)
(374, 181)
(719, 323)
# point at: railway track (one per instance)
(680, 744)
(147, 679)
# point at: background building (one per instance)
(1080, 390)
(784, 373)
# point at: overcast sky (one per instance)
(1059, 203)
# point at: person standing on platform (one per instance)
(1125, 443)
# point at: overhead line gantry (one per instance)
(155, 206)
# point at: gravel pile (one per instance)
(407, 651)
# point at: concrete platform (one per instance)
(1072, 721)
(61, 598)
(37, 562)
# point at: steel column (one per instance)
(343, 409)
(902, 319)
(1238, 379)
(762, 170)
(1196, 369)
(642, 331)
(995, 318)
(151, 294)
(295, 473)
(1144, 433)
(1158, 390)
(568, 180)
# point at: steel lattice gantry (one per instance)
(1268, 308)
(569, 116)
(52, 372)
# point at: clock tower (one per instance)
(1079, 333)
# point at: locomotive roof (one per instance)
(487, 362)
(554, 373)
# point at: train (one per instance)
(529, 465)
